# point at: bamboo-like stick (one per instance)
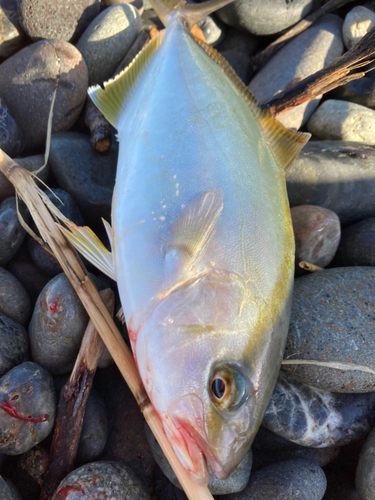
(71, 264)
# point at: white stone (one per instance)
(344, 121)
(357, 23)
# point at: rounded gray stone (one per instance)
(343, 121)
(107, 39)
(15, 494)
(332, 321)
(361, 91)
(14, 342)
(11, 136)
(357, 23)
(213, 33)
(365, 473)
(237, 48)
(357, 245)
(94, 431)
(109, 480)
(15, 302)
(312, 50)
(12, 233)
(11, 33)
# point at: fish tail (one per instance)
(191, 13)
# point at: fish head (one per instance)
(201, 361)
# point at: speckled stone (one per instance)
(365, 474)
(264, 17)
(15, 303)
(343, 121)
(316, 418)
(286, 480)
(235, 482)
(312, 50)
(332, 321)
(35, 464)
(57, 326)
(11, 136)
(360, 91)
(107, 39)
(358, 22)
(11, 34)
(237, 48)
(28, 80)
(60, 19)
(29, 388)
(87, 175)
(357, 245)
(12, 233)
(110, 480)
(336, 175)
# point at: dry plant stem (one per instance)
(100, 128)
(72, 406)
(312, 268)
(334, 75)
(102, 320)
(262, 57)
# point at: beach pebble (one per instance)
(5, 493)
(27, 390)
(316, 418)
(332, 321)
(15, 302)
(316, 233)
(104, 480)
(361, 91)
(57, 326)
(237, 48)
(14, 493)
(357, 23)
(30, 277)
(12, 233)
(14, 342)
(357, 245)
(11, 137)
(343, 121)
(85, 174)
(11, 34)
(35, 464)
(107, 39)
(365, 474)
(28, 80)
(60, 19)
(312, 50)
(336, 175)
(235, 482)
(213, 33)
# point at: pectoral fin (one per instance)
(193, 227)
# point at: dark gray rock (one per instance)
(30, 277)
(11, 137)
(107, 39)
(365, 474)
(332, 321)
(316, 418)
(360, 91)
(110, 480)
(336, 175)
(212, 30)
(87, 175)
(61, 19)
(261, 17)
(357, 245)
(28, 80)
(12, 233)
(31, 468)
(15, 494)
(57, 326)
(286, 480)
(27, 392)
(11, 34)
(5, 493)
(312, 50)
(15, 302)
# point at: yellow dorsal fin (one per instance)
(112, 99)
(285, 144)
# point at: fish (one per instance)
(201, 237)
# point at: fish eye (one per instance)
(229, 388)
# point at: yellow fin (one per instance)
(89, 245)
(285, 144)
(193, 227)
(112, 100)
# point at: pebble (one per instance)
(60, 19)
(357, 245)
(365, 474)
(35, 464)
(28, 80)
(332, 321)
(360, 91)
(316, 233)
(5, 493)
(27, 390)
(87, 175)
(30, 277)
(312, 50)
(264, 17)
(15, 302)
(286, 480)
(237, 48)
(357, 23)
(107, 39)
(138, 4)
(213, 33)
(11, 34)
(105, 480)
(343, 121)
(336, 175)
(237, 481)
(11, 137)
(57, 326)
(14, 493)
(12, 233)
(316, 418)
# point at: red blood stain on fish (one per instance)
(9, 407)
(65, 491)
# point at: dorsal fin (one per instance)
(285, 144)
(112, 99)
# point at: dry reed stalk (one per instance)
(40, 208)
